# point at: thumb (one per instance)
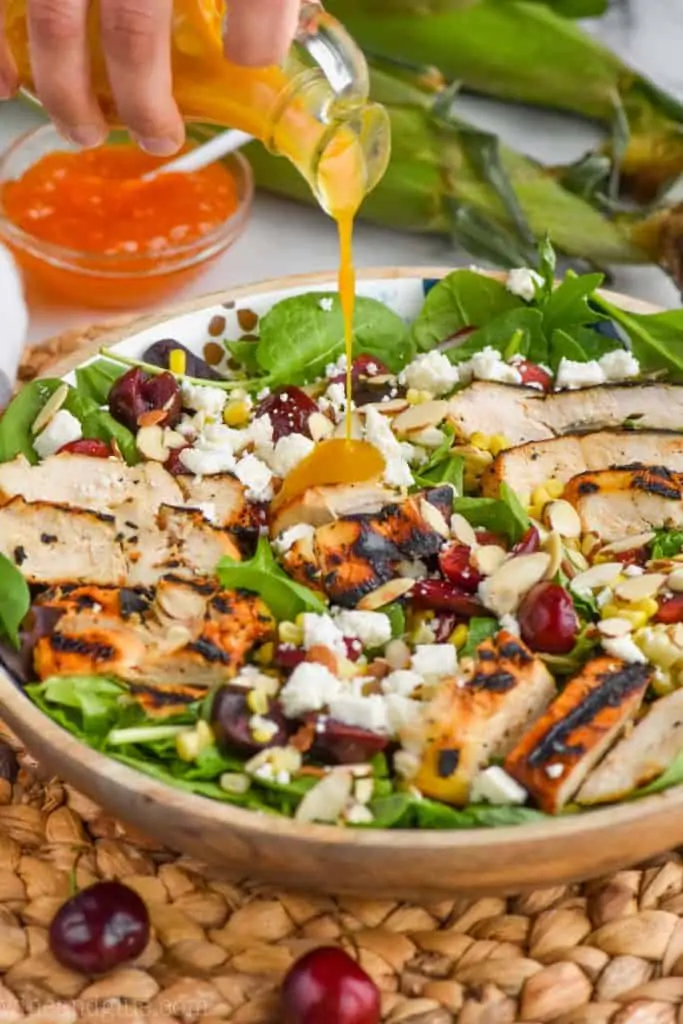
(259, 32)
(8, 74)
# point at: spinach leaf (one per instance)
(433, 815)
(397, 617)
(88, 706)
(547, 268)
(582, 345)
(19, 417)
(96, 380)
(567, 306)
(262, 575)
(656, 338)
(667, 543)
(299, 337)
(15, 601)
(444, 467)
(478, 631)
(521, 328)
(504, 515)
(245, 353)
(394, 811)
(462, 299)
(98, 424)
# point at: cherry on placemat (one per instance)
(100, 928)
(327, 987)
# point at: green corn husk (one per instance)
(520, 50)
(447, 178)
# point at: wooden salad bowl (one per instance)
(412, 865)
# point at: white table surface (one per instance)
(284, 238)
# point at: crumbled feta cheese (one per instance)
(402, 712)
(572, 375)
(256, 477)
(62, 429)
(286, 540)
(310, 687)
(322, 631)
(335, 369)
(403, 681)
(434, 659)
(432, 372)
(623, 647)
(263, 393)
(522, 282)
(358, 814)
(283, 778)
(265, 772)
(207, 461)
(633, 570)
(334, 401)
(619, 365)
(373, 629)
(260, 434)
(288, 453)
(204, 399)
(326, 304)
(364, 712)
(509, 623)
(379, 433)
(494, 786)
(488, 365)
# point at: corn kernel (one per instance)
(415, 397)
(540, 496)
(258, 702)
(498, 444)
(265, 654)
(236, 414)
(555, 488)
(647, 605)
(422, 634)
(663, 683)
(235, 782)
(481, 441)
(459, 636)
(290, 633)
(177, 361)
(205, 736)
(611, 610)
(261, 735)
(638, 619)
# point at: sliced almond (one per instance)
(675, 581)
(576, 559)
(50, 409)
(327, 800)
(388, 592)
(172, 439)
(598, 576)
(418, 417)
(320, 426)
(356, 427)
(463, 531)
(555, 549)
(488, 558)
(433, 518)
(617, 547)
(637, 588)
(430, 437)
(563, 518)
(392, 407)
(150, 443)
(615, 626)
(503, 591)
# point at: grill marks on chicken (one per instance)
(171, 644)
(614, 503)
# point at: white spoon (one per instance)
(204, 155)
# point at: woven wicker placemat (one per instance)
(608, 951)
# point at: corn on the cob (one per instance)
(522, 51)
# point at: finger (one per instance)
(9, 82)
(136, 36)
(259, 32)
(61, 68)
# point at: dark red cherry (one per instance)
(529, 544)
(325, 986)
(231, 720)
(289, 656)
(455, 564)
(547, 619)
(93, 449)
(363, 366)
(442, 596)
(136, 393)
(670, 611)
(289, 409)
(100, 928)
(174, 463)
(339, 743)
(534, 376)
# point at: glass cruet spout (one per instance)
(314, 108)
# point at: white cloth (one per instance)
(13, 322)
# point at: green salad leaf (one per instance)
(96, 380)
(262, 575)
(15, 601)
(504, 515)
(403, 810)
(245, 353)
(443, 466)
(98, 424)
(19, 417)
(478, 630)
(462, 299)
(656, 338)
(671, 776)
(299, 336)
(88, 706)
(667, 544)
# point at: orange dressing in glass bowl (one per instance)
(88, 230)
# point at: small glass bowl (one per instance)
(113, 281)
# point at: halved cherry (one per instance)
(289, 409)
(534, 376)
(455, 564)
(338, 743)
(174, 464)
(670, 611)
(289, 655)
(547, 619)
(86, 446)
(442, 596)
(363, 366)
(489, 537)
(529, 544)
(442, 625)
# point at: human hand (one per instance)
(136, 43)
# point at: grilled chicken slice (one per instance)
(320, 505)
(615, 503)
(532, 465)
(190, 635)
(554, 757)
(223, 501)
(357, 554)
(464, 726)
(641, 756)
(301, 563)
(524, 414)
(122, 602)
(54, 544)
